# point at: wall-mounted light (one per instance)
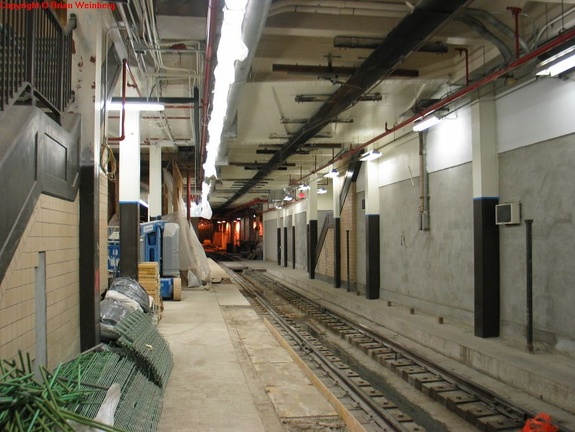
(425, 123)
(332, 174)
(288, 197)
(558, 63)
(303, 187)
(321, 191)
(136, 106)
(370, 155)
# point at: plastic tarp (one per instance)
(131, 288)
(192, 254)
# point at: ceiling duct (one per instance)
(412, 31)
(253, 26)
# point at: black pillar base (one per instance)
(279, 240)
(129, 239)
(312, 246)
(337, 252)
(286, 247)
(372, 256)
(89, 259)
(486, 259)
(293, 246)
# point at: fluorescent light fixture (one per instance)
(370, 155)
(425, 123)
(136, 106)
(321, 191)
(558, 63)
(332, 174)
(303, 187)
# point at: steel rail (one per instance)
(368, 405)
(501, 405)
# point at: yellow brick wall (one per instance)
(53, 229)
(349, 222)
(326, 264)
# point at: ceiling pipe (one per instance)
(212, 19)
(411, 32)
(253, 27)
(476, 25)
(340, 7)
(561, 39)
(503, 28)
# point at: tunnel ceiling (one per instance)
(324, 77)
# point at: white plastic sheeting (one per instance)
(192, 255)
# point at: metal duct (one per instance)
(502, 27)
(254, 23)
(412, 31)
(487, 35)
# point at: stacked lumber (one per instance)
(149, 278)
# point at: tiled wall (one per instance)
(53, 229)
(325, 264)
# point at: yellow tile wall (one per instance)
(325, 265)
(53, 229)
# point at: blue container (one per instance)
(166, 288)
(151, 234)
(113, 256)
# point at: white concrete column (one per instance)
(372, 187)
(311, 212)
(485, 232)
(372, 242)
(130, 196)
(130, 160)
(155, 200)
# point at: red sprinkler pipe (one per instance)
(562, 38)
(124, 85)
(515, 11)
(466, 52)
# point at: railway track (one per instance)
(479, 407)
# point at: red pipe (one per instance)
(515, 11)
(210, 41)
(562, 38)
(124, 85)
(466, 52)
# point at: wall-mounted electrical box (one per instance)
(508, 213)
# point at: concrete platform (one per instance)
(540, 381)
(230, 373)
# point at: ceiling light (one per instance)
(288, 197)
(370, 155)
(332, 174)
(303, 187)
(558, 63)
(425, 123)
(321, 191)
(136, 106)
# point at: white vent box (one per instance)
(508, 213)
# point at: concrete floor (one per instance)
(230, 374)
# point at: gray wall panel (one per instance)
(541, 176)
(270, 240)
(430, 270)
(301, 241)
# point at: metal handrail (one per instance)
(37, 51)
